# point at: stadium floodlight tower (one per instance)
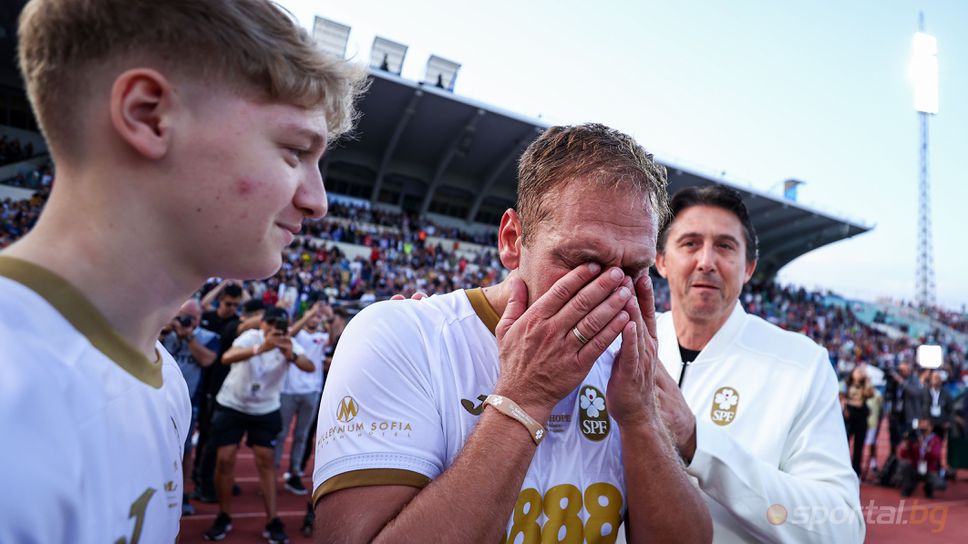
(924, 72)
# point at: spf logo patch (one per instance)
(592, 413)
(725, 405)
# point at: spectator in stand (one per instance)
(875, 407)
(248, 405)
(301, 391)
(229, 297)
(937, 404)
(857, 391)
(252, 312)
(920, 460)
(13, 150)
(904, 393)
(194, 349)
(335, 330)
(938, 407)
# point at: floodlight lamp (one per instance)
(924, 72)
(331, 36)
(929, 356)
(441, 73)
(387, 55)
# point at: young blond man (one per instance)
(186, 135)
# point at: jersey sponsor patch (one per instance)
(350, 424)
(725, 405)
(347, 410)
(592, 414)
(472, 409)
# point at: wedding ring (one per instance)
(581, 337)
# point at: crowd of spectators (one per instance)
(410, 225)
(41, 177)
(19, 216)
(13, 150)
(397, 253)
(957, 321)
(400, 259)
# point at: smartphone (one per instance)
(282, 325)
(930, 356)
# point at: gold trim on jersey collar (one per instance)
(483, 308)
(83, 316)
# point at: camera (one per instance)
(185, 320)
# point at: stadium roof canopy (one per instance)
(423, 149)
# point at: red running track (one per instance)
(943, 520)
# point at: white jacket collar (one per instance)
(718, 344)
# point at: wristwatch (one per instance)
(189, 338)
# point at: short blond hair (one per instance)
(592, 154)
(254, 43)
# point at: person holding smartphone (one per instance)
(248, 404)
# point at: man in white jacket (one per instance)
(754, 408)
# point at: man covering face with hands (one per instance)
(514, 413)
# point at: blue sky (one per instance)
(762, 90)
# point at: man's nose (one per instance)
(706, 258)
(310, 197)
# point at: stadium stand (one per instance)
(356, 256)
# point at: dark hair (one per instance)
(252, 306)
(231, 290)
(716, 196)
(850, 379)
(273, 314)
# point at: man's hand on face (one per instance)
(542, 359)
(180, 330)
(631, 387)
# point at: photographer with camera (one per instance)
(301, 391)
(920, 459)
(248, 404)
(194, 349)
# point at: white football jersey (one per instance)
(93, 431)
(298, 381)
(405, 391)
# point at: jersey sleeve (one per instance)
(378, 421)
(41, 499)
(247, 339)
(297, 349)
(813, 485)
